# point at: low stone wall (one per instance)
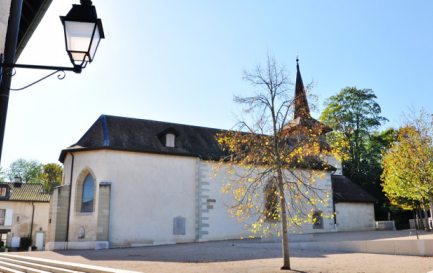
(96, 245)
(424, 220)
(423, 247)
(385, 225)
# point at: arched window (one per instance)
(88, 194)
(272, 213)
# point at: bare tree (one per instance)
(274, 160)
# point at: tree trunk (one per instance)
(425, 218)
(416, 224)
(284, 228)
(419, 219)
(430, 199)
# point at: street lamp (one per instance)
(83, 32)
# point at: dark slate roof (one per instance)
(140, 135)
(28, 192)
(344, 190)
(147, 136)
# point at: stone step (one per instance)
(8, 270)
(39, 266)
(21, 268)
(70, 267)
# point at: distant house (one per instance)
(353, 206)
(132, 182)
(20, 204)
(24, 211)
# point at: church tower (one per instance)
(301, 104)
(302, 121)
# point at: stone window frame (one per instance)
(79, 191)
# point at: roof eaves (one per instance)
(85, 149)
(27, 33)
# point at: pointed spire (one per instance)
(301, 104)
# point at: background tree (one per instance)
(353, 114)
(2, 175)
(408, 165)
(372, 169)
(268, 156)
(51, 176)
(29, 170)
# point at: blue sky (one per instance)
(182, 61)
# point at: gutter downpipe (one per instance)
(69, 202)
(33, 218)
(334, 214)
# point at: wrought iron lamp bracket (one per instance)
(9, 70)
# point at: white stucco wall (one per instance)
(354, 216)
(222, 225)
(4, 18)
(22, 217)
(336, 163)
(323, 185)
(147, 192)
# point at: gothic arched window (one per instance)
(87, 197)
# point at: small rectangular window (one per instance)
(170, 140)
(3, 192)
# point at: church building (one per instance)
(133, 182)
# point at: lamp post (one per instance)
(83, 32)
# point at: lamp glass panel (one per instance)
(78, 39)
(95, 42)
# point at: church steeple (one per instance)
(302, 119)
(301, 104)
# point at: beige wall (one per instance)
(354, 216)
(58, 214)
(22, 217)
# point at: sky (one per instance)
(183, 61)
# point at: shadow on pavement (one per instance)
(234, 250)
(237, 250)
